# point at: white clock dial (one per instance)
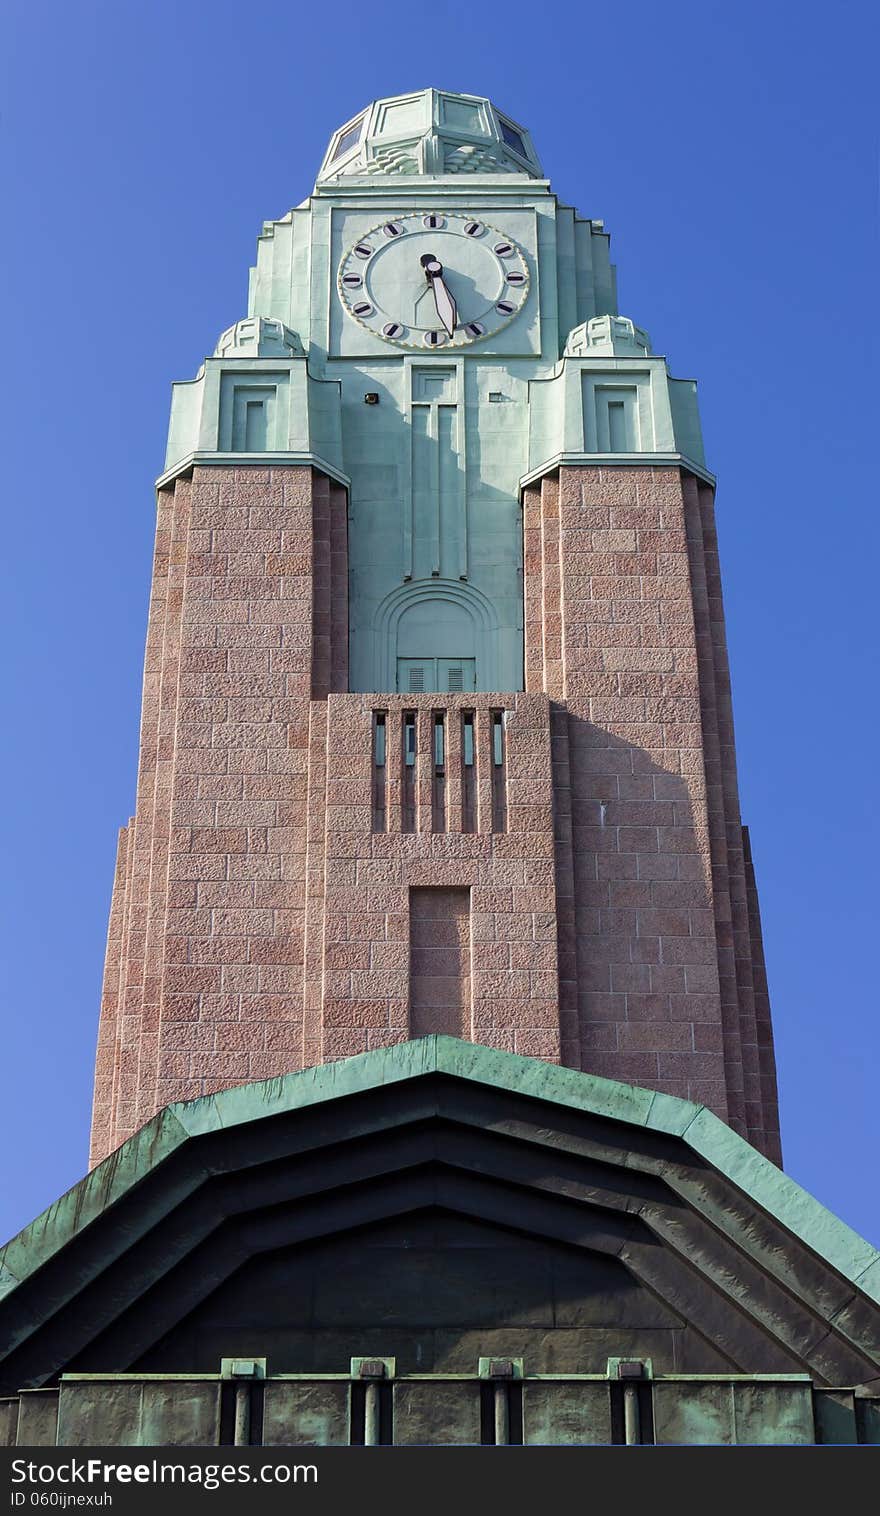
(431, 280)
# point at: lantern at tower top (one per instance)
(430, 133)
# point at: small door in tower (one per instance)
(417, 676)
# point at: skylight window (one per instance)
(512, 137)
(349, 138)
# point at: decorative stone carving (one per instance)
(615, 335)
(258, 337)
(396, 158)
(470, 158)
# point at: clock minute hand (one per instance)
(443, 300)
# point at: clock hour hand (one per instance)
(443, 300)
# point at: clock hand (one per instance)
(443, 299)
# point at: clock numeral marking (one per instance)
(515, 278)
(432, 220)
(475, 329)
(504, 249)
(434, 339)
(363, 308)
(474, 228)
(352, 281)
(392, 229)
(363, 250)
(506, 307)
(393, 329)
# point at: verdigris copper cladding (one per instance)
(438, 1203)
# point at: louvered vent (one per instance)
(416, 679)
(455, 679)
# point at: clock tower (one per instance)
(437, 730)
(435, 1099)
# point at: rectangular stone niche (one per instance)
(440, 961)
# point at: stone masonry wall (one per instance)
(625, 633)
(578, 845)
(361, 882)
(248, 620)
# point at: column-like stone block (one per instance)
(657, 927)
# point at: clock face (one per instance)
(429, 280)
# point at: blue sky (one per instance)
(731, 151)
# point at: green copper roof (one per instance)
(765, 1279)
(430, 132)
(704, 1133)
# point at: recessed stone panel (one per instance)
(299, 1414)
